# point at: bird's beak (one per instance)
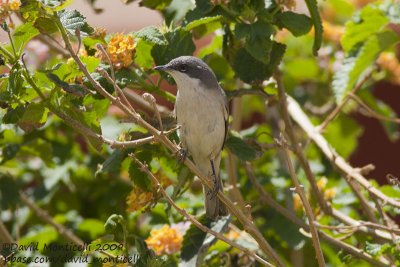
(161, 68)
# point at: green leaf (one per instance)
(72, 20)
(113, 222)
(358, 60)
(13, 115)
(316, 19)
(34, 117)
(376, 249)
(179, 43)
(112, 163)
(343, 128)
(240, 148)
(143, 54)
(22, 35)
(369, 22)
(92, 227)
(250, 69)
(46, 25)
(152, 35)
(204, 26)
(155, 4)
(138, 177)
(196, 242)
(297, 24)
(205, 20)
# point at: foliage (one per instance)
(65, 147)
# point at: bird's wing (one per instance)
(225, 110)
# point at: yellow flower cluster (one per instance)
(165, 240)
(138, 199)
(121, 48)
(6, 7)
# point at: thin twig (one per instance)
(299, 189)
(334, 113)
(152, 101)
(144, 168)
(372, 113)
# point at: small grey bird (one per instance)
(201, 111)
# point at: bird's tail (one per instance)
(213, 205)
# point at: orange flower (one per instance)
(389, 62)
(321, 183)
(120, 49)
(138, 199)
(165, 240)
(232, 235)
(330, 193)
(332, 32)
(14, 5)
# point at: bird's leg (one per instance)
(214, 179)
(182, 155)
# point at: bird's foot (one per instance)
(182, 155)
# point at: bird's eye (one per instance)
(183, 68)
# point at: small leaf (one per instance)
(73, 20)
(297, 24)
(240, 148)
(46, 25)
(113, 221)
(34, 117)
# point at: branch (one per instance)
(302, 120)
(144, 168)
(247, 224)
(299, 189)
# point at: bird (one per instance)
(201, 112)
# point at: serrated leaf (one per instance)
(316, 20)
(22, 35)
(73, 20)
(375, 249)
(196, 242)
(204, 26)
(179, 43)
(358, 60)
(297, 24)
(240, 148)
(151, 34)
(370, 21)
(14, 114)
(143, 54)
